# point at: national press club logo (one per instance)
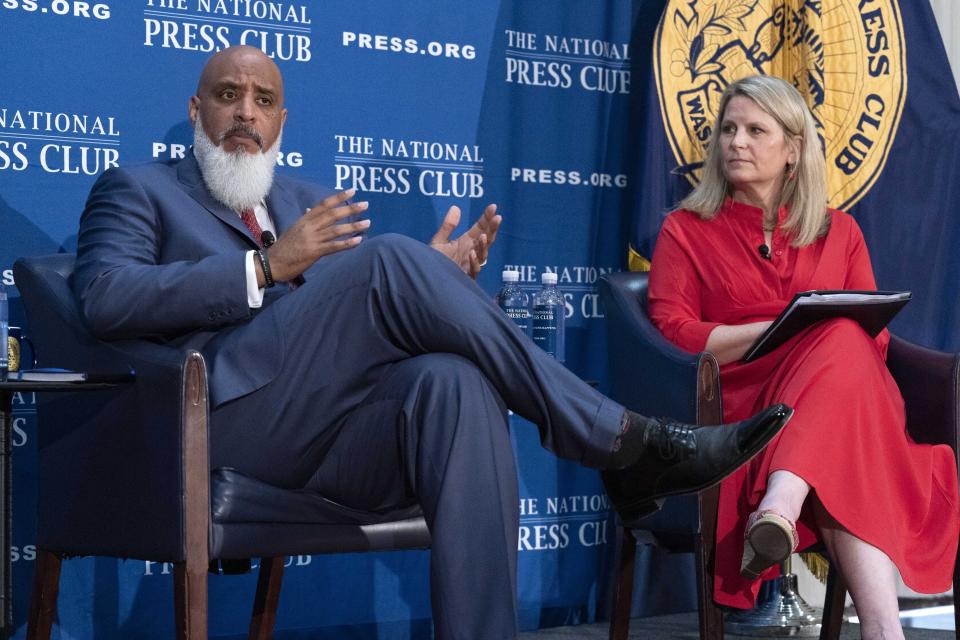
(558, 522)
(846, 57)
(566, 62)
(281, 29)
(70, 144)
(432, 168)
(24, 422)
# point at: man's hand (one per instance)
(469, 251)
(317, 233)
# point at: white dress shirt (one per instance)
(255, 291)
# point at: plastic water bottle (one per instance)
(549, 317)
(4, 331)
(514, 301)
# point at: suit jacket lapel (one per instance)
(283, 209)
(188, 172)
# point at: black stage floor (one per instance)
(683, 626)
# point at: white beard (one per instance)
(240, 180)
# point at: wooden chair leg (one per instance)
(190, 576)
(833, 605)
(709, 615)
(190, 601)
(43, 599)
(956, 598)
(623, 589)
(265, 603)
(709, 411)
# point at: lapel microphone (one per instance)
(763, 249)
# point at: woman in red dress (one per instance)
(754, 232)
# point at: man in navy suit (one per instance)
(373, 371)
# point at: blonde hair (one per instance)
(806, 193)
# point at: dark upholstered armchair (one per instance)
(650, 375)
(125, 473)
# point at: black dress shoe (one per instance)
(680, 458)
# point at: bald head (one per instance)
(242, 55)
(239, 100)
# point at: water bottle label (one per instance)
(545, 327)
(519, 315)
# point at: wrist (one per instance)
(264, 261)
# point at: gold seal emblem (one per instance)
(13, 354)
(847, 57)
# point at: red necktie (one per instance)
(250, 219)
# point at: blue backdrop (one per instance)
(419, 105)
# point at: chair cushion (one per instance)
(236, 498)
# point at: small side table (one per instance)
(7, 389)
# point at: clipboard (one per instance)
(872, 310)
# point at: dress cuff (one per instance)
(254, 292)
(693, 336)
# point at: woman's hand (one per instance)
(729, 342)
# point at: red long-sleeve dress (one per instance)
(847, 438)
